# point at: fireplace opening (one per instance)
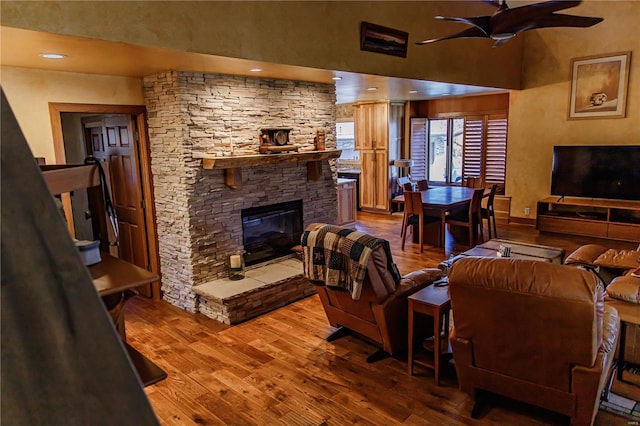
(269, 232)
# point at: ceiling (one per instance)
(21, 48)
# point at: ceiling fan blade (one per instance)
(483, 23)
(541, 9)
(468, 33)
(560, 20)
(505, 21)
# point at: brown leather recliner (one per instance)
(532, 331)
(380, 313)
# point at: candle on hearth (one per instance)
(235, 261)
(231, 143)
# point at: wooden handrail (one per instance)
(67, 178)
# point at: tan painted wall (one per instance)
(30, 91)
(317, 34)
(538, 114)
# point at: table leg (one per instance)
(410, 333)
(443, 225)
(436, 347)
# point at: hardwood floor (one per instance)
(278, 368)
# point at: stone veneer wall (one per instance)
(198, 216)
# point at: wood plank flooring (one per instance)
(279, 370)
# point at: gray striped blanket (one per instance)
(338, 257)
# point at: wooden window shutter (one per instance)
(472, 149)
(496, 150)
(419, 148)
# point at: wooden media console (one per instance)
(612, 219)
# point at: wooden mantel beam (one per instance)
(233, 165)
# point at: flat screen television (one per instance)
(611, 171)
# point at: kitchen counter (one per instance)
(345, 170)
(341, 181)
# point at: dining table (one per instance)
(441, 200)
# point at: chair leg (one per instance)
(404, 234)
(421, 239)
(404, 224)
(495, 231)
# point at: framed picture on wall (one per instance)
(379, 39)
(599, 86)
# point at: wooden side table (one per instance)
(435, 302)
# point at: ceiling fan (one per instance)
(505, 23)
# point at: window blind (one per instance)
(496, 148)
(472, 147)
(419, 148)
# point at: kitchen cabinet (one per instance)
(372, 129)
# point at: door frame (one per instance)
(144, 158)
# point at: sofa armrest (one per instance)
(416, 280)
(610, 329)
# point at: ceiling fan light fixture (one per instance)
(503, 36)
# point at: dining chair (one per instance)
(414, 215)
(402, 181)
(422, 185)
(472, 182)
(489, 213)
(470, 218)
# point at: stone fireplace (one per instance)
(199, 217)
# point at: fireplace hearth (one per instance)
(269, 232)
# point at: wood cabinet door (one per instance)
(363, 127)
(380, 125)
(367, 179)
(381, 188)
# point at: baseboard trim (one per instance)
(522, 221)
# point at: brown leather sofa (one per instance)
(380, 313)
(608, 263)
(532, 331)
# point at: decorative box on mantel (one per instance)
(233, 165)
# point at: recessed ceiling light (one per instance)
(372, 89)
(51, 55)
(413, 91)
(255, 69)
(336, 78)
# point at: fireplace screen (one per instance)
(269, 232)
